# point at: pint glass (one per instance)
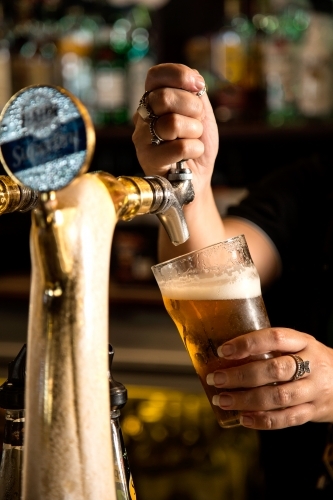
(213, 295)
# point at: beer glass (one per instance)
(213, 295)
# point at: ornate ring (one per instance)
(202, 92)
(144, 110)
(155, 138)
(301, 367)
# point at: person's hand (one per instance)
(186, 123)
(264, 391)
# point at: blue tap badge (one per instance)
(46, 137)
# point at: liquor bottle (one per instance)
(123, 478)
(109, 72)
(229, 62)
(140, 56)
(315, 75)
(285, 28)
(12, 401)
(75, 46)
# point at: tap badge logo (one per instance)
(40, 119)
(43, 138)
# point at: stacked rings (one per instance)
(148, 115)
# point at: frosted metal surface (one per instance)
(43, 138)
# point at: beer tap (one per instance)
(47, 141)
(31, 172)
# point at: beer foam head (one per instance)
(243, 284)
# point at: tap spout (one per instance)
(169, 210)
(134, 196)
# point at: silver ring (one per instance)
(202, 92)
(301, 367)
(144, 110)
(156, 139)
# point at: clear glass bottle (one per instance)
(123, 478)
(12, 401)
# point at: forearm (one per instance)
(206, 227)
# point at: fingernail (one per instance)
(246, 421)
(199, 82)
(216, 400)
(225, 350)
(225, 400)
(210, 379)
(220, 378)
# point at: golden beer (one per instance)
(210, 302)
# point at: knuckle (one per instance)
(249, 344)
(240, 377)
(172, 121)
(268, 422)
(292, 419)
(278, 336)
(276, 369)
(180, 148)
(161, 100)
(281, 396)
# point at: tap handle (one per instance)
(180, 172)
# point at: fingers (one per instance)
(270, 397)
(185, 124)
(271, 371)
(157, 159)
(173, 126)
(265, 340)
(278, 419)
(170, 100)
(174, 75)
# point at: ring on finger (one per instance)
(301, 367)
(144, 110)
(203, 91)
(155, 138)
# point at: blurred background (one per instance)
(269, 69)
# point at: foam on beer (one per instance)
(243, 284)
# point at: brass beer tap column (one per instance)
(46, 144)
(14, 197)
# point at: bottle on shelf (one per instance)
(315, 79)
(140, 55)
(284, 28)
(118, 398)
(12, 401)
(109, 73)
(233, 50)
(75, 44)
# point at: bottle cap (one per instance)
(118, 392)
(12, 391)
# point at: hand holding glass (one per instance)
(213, 295)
